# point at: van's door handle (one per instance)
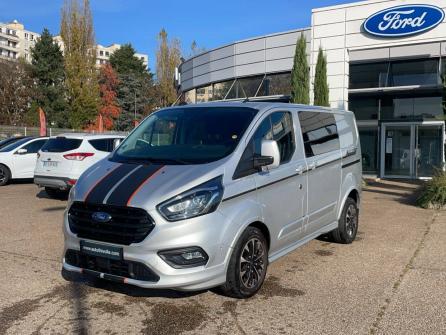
(300, 169)
(312, 166)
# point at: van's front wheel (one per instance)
(348, 223)
(248, 265)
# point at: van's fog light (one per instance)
(185, 257)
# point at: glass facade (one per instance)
(395, 73)
(247, 87)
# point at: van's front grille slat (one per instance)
(120, 268)
(127, 225)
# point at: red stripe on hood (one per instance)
(143, 183)
(100, 179)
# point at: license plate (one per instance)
(101, 250)
(49, 164)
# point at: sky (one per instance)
(210, 23)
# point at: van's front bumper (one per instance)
(205, 232)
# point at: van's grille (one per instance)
(127, 225)
(120, 268)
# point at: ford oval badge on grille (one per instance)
(101, 217)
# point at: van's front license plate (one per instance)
(100, 250)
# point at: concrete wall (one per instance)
(338, 31)
(266, 54)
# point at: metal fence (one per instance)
(7, 131)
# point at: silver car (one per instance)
(208, 195)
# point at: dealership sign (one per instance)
(404, 20)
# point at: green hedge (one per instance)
(433, 194)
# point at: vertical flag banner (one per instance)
(42, 118)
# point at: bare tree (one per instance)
(16, 92)
(168, 57)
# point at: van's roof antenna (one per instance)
(246, 99)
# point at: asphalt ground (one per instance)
(391, 280)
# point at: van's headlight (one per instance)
(200, 200)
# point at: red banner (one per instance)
(42, 122)
(101, 124)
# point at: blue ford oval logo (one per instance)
(101, 217)
(404, 20)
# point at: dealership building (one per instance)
(385, 62)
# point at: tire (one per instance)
(55, 193)
(348, 223)
(5, 175)
(244, 285)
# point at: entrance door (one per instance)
(411, 150)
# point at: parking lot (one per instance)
(390, 281)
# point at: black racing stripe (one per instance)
(124, 191)
(98, 193)
(351, 163)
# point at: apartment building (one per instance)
(15, 41)
(103, 54)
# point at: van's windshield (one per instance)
(192, 135)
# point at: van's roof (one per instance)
(88, 136)
(262, 105)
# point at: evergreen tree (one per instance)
(135, 91)
(80, 63)
(321, 93)
(300, 75)
(47, 70)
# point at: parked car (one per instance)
(9, 140)
(207, 196)
(18, 159)
(65, 157)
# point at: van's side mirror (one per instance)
(270, 155)
(21, 151)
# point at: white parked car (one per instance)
(18, 159)
(65, 157)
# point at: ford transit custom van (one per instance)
(208, 195)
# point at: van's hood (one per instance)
(144, 186)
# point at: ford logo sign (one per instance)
(101, 217)
(404, 20)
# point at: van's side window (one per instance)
(319, 133)
(277, 126)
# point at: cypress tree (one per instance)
(300, 75)
(47, 70)
(321, 92)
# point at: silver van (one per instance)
(208, 195)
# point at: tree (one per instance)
(47, 70)
(80, 63)
(109, 109)
(16, 92)
(168, 57)
(321, 92)
(300, 75)
(195, 49)
(135, 92)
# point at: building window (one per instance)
(368, 75)
(369, 149)
(421, 72)
(220, 90)
(26, 35)
(107, 53)
(276, 84)
(101, 53)
(32, 37)
(423, 107)
(364, 107)
(204, 94)
(417, 72)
